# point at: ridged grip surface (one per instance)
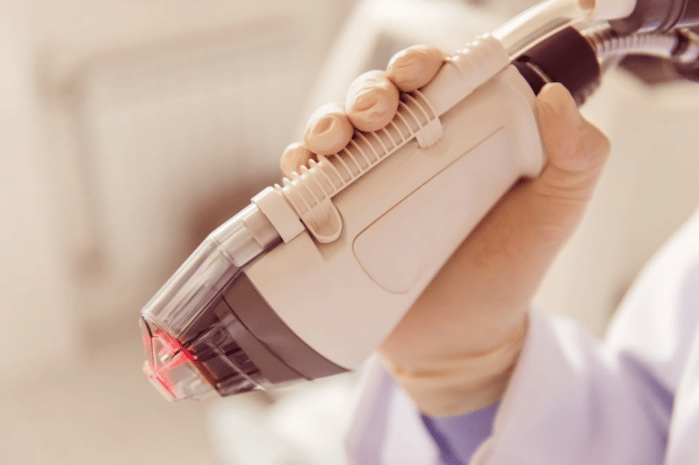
(310, 192)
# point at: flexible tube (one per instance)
(609, 44)
(680, 46)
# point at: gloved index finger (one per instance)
(372, 101)
(294, 157)
(412, 68)
(328, 130)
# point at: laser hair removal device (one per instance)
(309, 279)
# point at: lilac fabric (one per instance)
(458, 437)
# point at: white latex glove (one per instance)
(455, 349)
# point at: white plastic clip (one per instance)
(431, 130)
(284, 219)
(430, 134)
(329, 227)
(314, 208)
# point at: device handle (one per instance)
(309, 193)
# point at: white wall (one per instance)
(130, 130)
(36, 324)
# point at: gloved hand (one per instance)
(455, 349)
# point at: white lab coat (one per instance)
(572, 400)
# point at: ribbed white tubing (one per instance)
(609, 44)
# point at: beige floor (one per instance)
(104, 412)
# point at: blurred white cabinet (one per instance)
(34, 318)
(146, 124)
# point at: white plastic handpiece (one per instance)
(310, 193)
(401, 216)
(364, 230)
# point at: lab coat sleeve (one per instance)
(388, 429)
(569, 401)
(459, 436)
(572, 399)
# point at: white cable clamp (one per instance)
(431, 130)
(279, 213)
(429, 134)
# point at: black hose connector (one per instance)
(658, 16)
(566, 57)
(690, 72)
(687, 55)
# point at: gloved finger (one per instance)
(523, 233)
(558, 117)
(412, 68)
(576, 152)
(527, 228)
(372, 101)
(328, 130)
(295, 156)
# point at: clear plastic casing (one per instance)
(181, 339)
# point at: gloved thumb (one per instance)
(576, 152)
(455, 349)
(516, 242)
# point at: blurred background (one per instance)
(130, 129)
